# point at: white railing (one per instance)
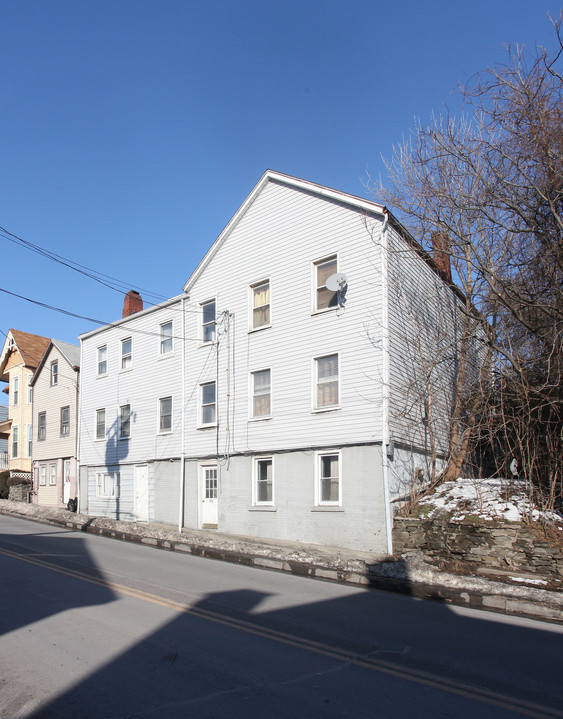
(3, 461)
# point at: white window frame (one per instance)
(42, 475)
(98, 424)
(253, 327)
(29, 440)
(52, 475)
(14, 442)
(160, 430)
(316, 382)
(210, 323)
(253, 394)
(122, 434)
(29, 389)
(16, 391)
(102, 361)
(67, 424)
(39, 427)
(166, 341)
(107, 485)
(256, 502)
(126, 357)
(319, 501)
(316, 286)
(54, 373)
(213, 404)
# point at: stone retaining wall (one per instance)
(491, 545)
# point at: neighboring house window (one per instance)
(29, 439)
(208, 403)
(107, 485)
(324, 298)
(100, 424)
(208, 321)
(41, 425)
(29, 389)
(65, 421)
(326, 382)
(261, 394)
(15, 433)
(43, 474)
(16, 392)
(264, 481)
(126, 355)
(166, 344)
(165, 414)
(125, 421)
(260, 298)
(54, 373)
(52, 474)
(328, 478)
(102, 360)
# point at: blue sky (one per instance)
(132, 130)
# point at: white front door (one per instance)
(209, 502)
(66, 481)
(141, 506)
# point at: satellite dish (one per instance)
(336, 282)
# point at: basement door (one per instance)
(141, 500)
(66, 481)
(209, 501)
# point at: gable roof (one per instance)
(71, 354)
(313, 188)
(30, 348)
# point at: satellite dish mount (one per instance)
(338, 283)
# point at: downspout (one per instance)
(385, 344)
(182, 424)
(79, 434)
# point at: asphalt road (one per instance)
(92, 627)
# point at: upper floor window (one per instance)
(166, 342)
(208, 321)
(100, 424)
(65, 421)
(263, 481)
(54, 373)
(328, 490)
(261, 393)
(42, 425)
(125, 421)
(102, 360)
(208, 404)
(126, 354)
(16, 391)
(260, 299)
(15, 432)
(325, 299)
(165, 414)
(326, 382)
(29, 389)
(29, 439)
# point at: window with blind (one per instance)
(261, 394)
(327, 382)
(260, 305)
(324, 299)
(328, 490)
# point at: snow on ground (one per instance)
(489, 499)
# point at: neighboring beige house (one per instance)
(20, 357)
(55, 388)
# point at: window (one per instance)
(107, 485)
(264, 482)
(41, 426)
(65, 421)
(16, 392)
(325, 299)
(52, 475)
(208, 321)
(328, 473)
(208, 403)
(125, 421)
(43, 475)
(29, 389)
(126, 356)
(260, 298)
(102, 360)
(100, 424)
(15, 441)
(261, 394)
(54, 373)
(165, 414)
(326, 382)
(166, 343)
(29, 439)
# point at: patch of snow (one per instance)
(528, 581)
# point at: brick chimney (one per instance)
(132, 303)
(441, 253)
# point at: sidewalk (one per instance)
(409, 574)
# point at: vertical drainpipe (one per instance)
(385, 345)
(183, 410)
(78, 434)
